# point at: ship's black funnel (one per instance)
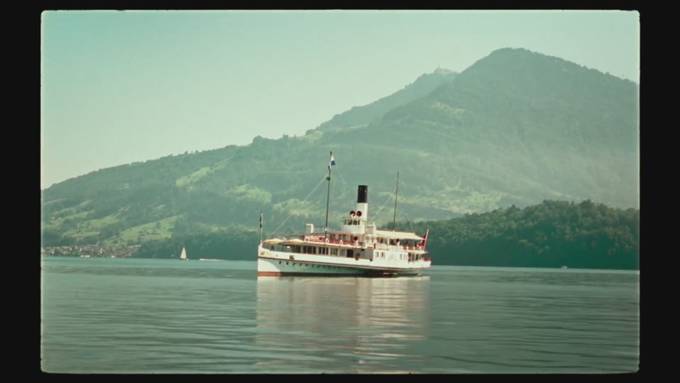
(362, 194)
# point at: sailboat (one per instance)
(183, 255)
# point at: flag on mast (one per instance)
(423, 243)
(332, 161)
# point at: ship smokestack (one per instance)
(362, 202)
(362, 194)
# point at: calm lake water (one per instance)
(147, 315)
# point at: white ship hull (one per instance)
(389, 263)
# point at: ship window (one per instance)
(334, 251)
(350, 253)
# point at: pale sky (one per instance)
(125, 86)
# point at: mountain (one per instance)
(360, 116)
(517, 127)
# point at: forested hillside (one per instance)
(552, 234)
(515, 128)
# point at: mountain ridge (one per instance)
(516, 127)
(364, 114)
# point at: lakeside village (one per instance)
(90, 251)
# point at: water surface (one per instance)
(146, 315)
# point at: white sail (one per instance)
(183, 255)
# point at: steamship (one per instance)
(358, 248)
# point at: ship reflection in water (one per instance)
(341, 324)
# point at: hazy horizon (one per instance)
(120, 87)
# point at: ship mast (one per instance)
(396, 193)
(328, 195)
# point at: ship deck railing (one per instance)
(377, 245)
(321, 240)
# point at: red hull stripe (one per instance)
(303, 274)
(268, 273)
